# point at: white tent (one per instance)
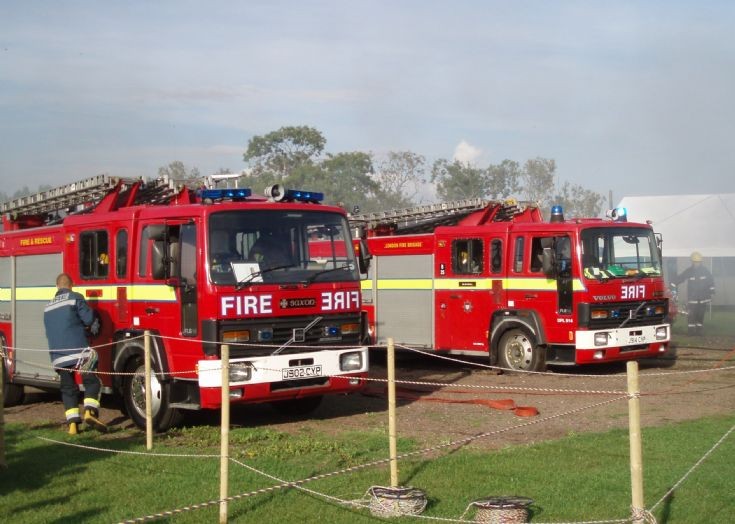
(704, 223)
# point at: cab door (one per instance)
(463, 294)
(157, 294)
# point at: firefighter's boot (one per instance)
(73, 428)
(90, 418)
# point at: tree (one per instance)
(399, 177)
(456, 180)
(345, 178)
(503, 180)
(177, 171)
(279, 152)
(537, 178)
(578, 201)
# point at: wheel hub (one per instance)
(138, 392)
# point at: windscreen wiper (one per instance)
(316, 275)
(250, 279)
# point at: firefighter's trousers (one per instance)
(70, 393)
(696, 317)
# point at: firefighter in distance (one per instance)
(66, 319)
(700, 288)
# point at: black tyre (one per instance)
(13, 394)
(164, 416)
(518, 351)
(298, 406)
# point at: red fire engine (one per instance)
(270, 277)
(478, 277)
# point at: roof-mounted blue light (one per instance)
(304, 196)
(619, 214)
(220, 194)
(278, 193)
(557, 214)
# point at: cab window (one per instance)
(94, 257)
(496, 255)
(518, 255)
(467, 256)
(121, 253)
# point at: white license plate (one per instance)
(301, 372)
(638, 339)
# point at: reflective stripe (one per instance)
(467, 284)
(91, 403)
(72, 413)
(66, 360)
(417, 283)
(62, 303)
(107, 293)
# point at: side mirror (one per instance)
(363, 255)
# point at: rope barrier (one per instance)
(352, 469)
(408, 348)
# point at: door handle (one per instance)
(531, 295)
(151, 310)
(455, 296)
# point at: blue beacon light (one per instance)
(557, 214)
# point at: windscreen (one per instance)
(620, 252)
(284, 247)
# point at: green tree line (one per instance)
(296, 157)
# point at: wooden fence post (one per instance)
(392, 414)
(224, 434)
(636, 454)
(148, 396)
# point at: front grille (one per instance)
(619, 312)
(282, 329)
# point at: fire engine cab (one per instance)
(275, 278)
(476, 277)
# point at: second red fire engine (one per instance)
(493, 278)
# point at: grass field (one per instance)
(581, 477)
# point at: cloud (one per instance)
(466, 152)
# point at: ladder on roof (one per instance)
(88, 191)
(422, 213)
(424, 219)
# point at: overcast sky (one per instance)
(630, 97)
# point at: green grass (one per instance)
(581, 477)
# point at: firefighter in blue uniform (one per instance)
(700, 288)
(67, 318)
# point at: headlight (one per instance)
(240, 371)
(662, 333)
(601, 338)
(350, 361)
